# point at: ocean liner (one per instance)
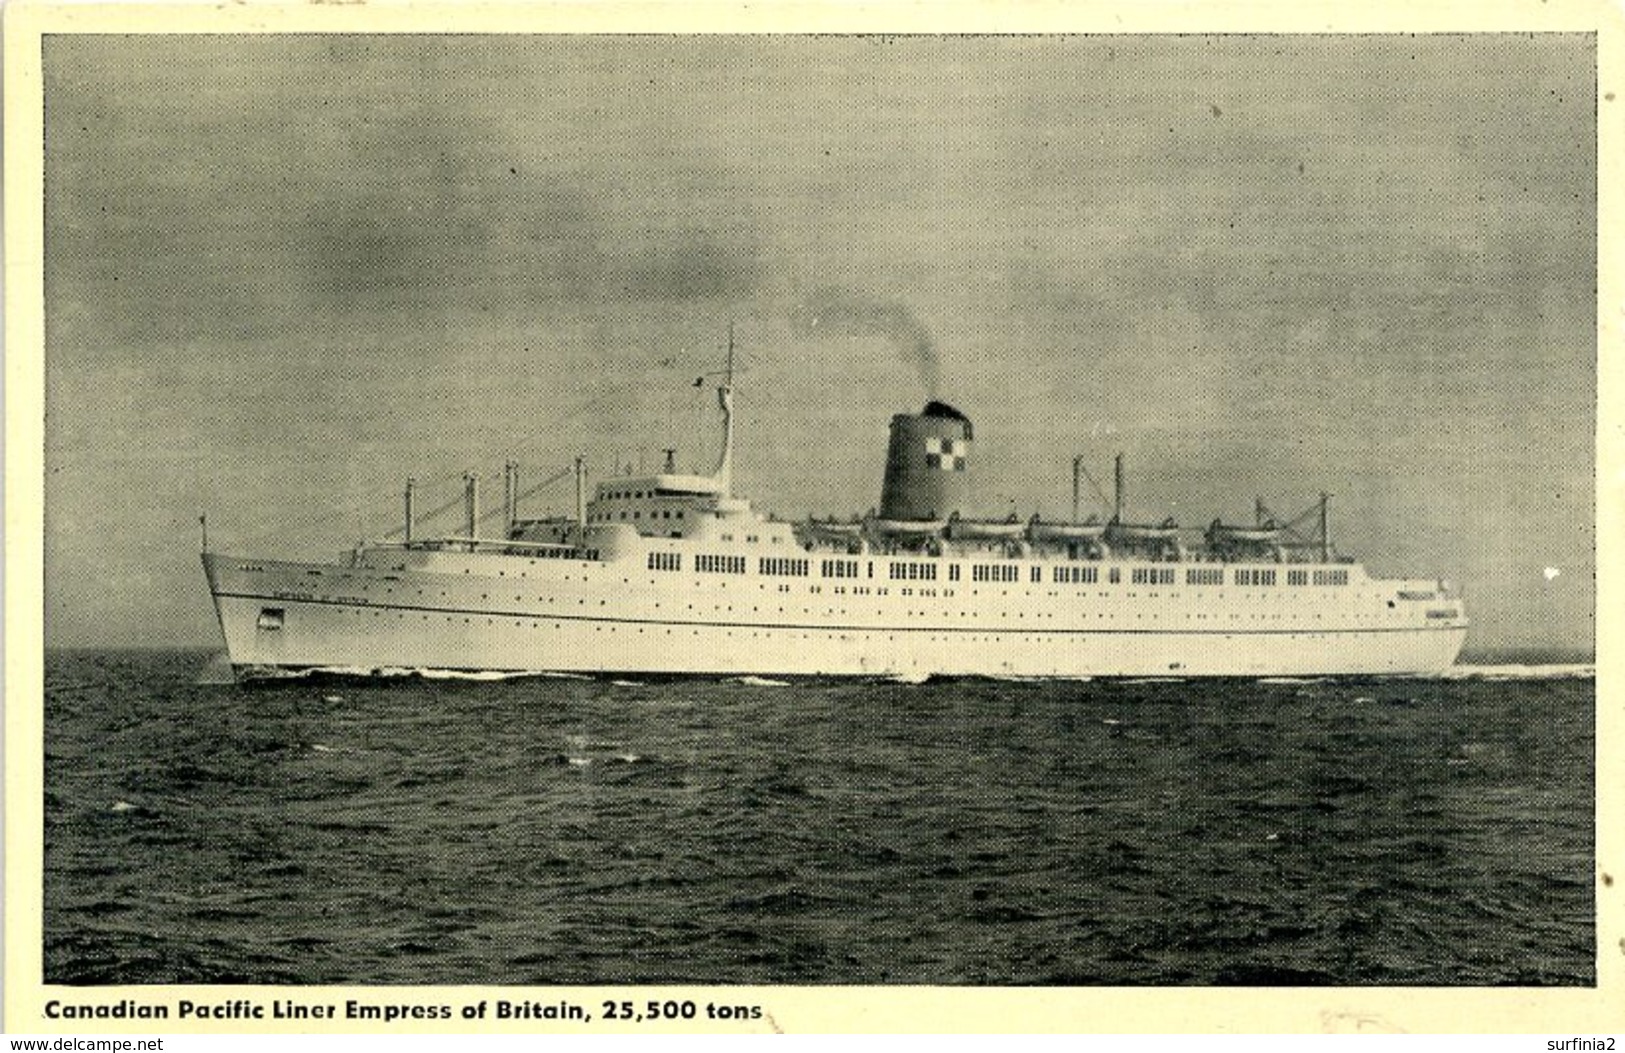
(674, 573)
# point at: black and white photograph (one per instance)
(800, 510)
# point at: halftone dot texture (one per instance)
(285, 272)
(552, 832)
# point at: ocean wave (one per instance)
(483, 674)
(760, 681)
(488, 674)
(1572, 671)
(217, 670)
(392, 672)
(679, 805)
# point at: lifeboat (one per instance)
(1140, 534)
(1218, 533)
(985, 529)
(1162, 540)
(832, 530)
(908, 527)
(1256, 541)
(1091, 530)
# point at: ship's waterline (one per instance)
(673, 573)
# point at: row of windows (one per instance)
(654, 513)
(561, 553)
(1066, 575)
(1205, 576)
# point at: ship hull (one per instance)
(470, 613)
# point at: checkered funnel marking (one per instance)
(927, 465)
(946, 454)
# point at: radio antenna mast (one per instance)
(725, 396)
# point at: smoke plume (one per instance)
(836, 311)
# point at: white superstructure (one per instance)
(672, 573)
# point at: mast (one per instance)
(510, 496)
(725, 395)
(1117, 502)
(411, 491)
(1077, 472)
(471, 503)
(1325, 530)
(581, 498)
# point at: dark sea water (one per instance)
(566, 831)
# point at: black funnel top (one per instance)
(934, 408)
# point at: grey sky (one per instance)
(284, 272)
